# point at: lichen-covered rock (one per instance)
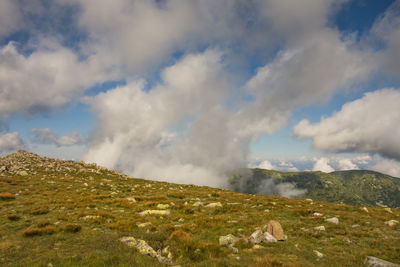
(228, 240)
(214, 205)
(131, 199)
(320, 228)
(256, 237)
(154, 212)
(23, 173)
(276, 230)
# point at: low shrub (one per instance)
(40, 211)
(6, 196)
(39, 231)
(43, 223)
(72, 227)
(13, 217)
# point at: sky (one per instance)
(185, 91)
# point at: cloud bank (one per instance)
(10, 142)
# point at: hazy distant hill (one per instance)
(355, 187)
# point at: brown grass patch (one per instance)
(6, 196)
(13, 217)
(48, 230)
(179, 235)
(72, 227)
(40, 211)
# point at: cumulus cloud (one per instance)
(50, 77)
(10, 141)
(322, 165)
(47, 136)
(387, 166)
(266, 164)
(368, 125)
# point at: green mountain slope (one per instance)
(63, 213)
(355, 187)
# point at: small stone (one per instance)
(198, 203)
(317, 214)
(131, 199)
(256, 237)
(309, 200)
(319, 228)
(375, 262)
(318, 254)
(22, 173)
(355, 226)
(85, 184)
(365, 209)
(257, 247)
(214, 205)
(141, 225)
(333, 220)
(392, 223)
(163, 206)
(276, 230)
(268, 238)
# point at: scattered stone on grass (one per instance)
(318, 254)
(317, 214)
(320, 228)
(145, 249)
(162, 206)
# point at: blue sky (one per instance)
(185, 91)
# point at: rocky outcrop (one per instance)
(375, 262)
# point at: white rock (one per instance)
(268, 238)
(214, 205)
(198, 203)
(319, 228)
(333, 220)
(375, 262)
(318, 254)
(317, 214)
(256, 237)
(163, 206)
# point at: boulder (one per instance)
(276, 230)
(375, 262)
(333, 220)
(268, 238)
(256, 237)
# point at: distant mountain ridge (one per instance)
(355, 187)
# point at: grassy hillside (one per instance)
(355, 187)
(61, 213)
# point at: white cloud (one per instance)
(49, 78)
(47, 136)
(322, 165)
(10, 17)
(10, 141)
(266, 164)
(368, 125)
(387, 166)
